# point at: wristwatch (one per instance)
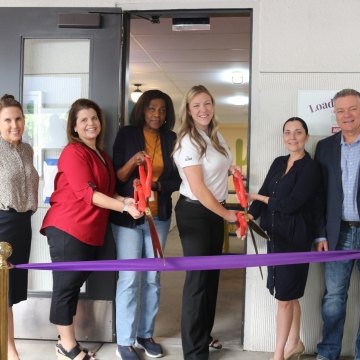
(125, 208)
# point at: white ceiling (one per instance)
(175, 61)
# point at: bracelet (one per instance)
(125, 208)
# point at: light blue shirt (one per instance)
(350, 166)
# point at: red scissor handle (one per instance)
(142, 186)
(139, 195)
(240, 189)
(242, 228)
(146, 176)
(142, 193)
(241, 196)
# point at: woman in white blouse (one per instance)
(204, 163)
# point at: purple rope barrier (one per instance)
(197, 262)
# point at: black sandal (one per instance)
(215, 344)
(62, 354)
(84, 349)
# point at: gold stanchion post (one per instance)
(5, 252)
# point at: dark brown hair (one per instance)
(300, 120)
(78, 105)
(9, 101)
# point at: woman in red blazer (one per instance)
(76, 222)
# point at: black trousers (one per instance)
(67, 284)
(202, 234)
(15, 229)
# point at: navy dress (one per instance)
(288, 218)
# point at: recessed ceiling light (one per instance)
(237, 77)
(231, 75)
(238, 100)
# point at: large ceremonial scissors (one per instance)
(244, 220)
(142, 193)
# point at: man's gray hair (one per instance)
(346, 92)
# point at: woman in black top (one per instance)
(138, 293)
(284, 205)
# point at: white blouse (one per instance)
(215, 166)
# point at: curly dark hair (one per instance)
(137, 117)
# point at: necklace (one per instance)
(151, 144)
(155, 147)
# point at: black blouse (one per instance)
(289, 215)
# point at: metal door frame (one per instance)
(96, 306)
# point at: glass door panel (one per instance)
(56, 73)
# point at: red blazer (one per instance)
(80, 171)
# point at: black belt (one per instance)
(185, 198)
(351, 223)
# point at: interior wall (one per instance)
(308, 44)
(303, 45)
(236, 136)
(279, 102)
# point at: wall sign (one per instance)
(316, 107)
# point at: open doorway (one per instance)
(173, 61)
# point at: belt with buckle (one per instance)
(351, 223)
(185, 198)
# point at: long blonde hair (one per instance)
(188, 126)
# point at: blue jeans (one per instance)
(137, 293)
(337, 281)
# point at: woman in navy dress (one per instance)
(284, 204)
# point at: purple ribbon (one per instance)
(197, 262)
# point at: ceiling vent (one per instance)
(190, 24)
